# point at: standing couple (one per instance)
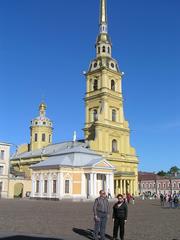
(101, 212)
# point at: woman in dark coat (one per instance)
(120, 211)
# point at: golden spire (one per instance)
(42, 109)
(103, 17)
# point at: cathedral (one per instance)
(106, 131)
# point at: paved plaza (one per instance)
(67, 220)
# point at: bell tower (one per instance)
(105, 127)
(41, 129)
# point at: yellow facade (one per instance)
(41, 130)
(105, 127)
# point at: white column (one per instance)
(111, 184)
(124, 186)
(83, 185)
(107, 183)
(61, 179)
(91, 185)
(131, 182)
(41, 185)
(95, 184)
(33, 186)
(49, 185)
(121, 190)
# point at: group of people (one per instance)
(170, 200)
(101, 212)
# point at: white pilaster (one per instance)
(61, 179)
(41, 182)
(49, 185)
(33, 185)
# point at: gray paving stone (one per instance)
(67, 220)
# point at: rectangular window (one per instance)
(54, 186)
(43, 137)
(67, 186)
(2, 155)
(37, 186)
(45, 186)
(35, 137)
(1, 170)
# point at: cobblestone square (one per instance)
(67, 220)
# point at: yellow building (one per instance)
(106, 130)
(41, 130)
(105, 127)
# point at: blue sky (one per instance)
(45, 45)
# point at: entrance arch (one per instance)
(18, 190)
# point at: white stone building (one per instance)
(4, 169)
(75, 172)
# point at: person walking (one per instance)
(101, 211)
(120, 212)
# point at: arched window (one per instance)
(108, 49)
(99, 49)
(43, 137)
(95, 115)
(49, 138)
(113, 85)
(114, 145)
(95, 86)
(35, 137)
(113, 115)
(103, 49)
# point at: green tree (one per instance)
(174, 169)
(161, 173)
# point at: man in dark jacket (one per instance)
(120, 211)
(101, 211)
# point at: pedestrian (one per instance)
(101, 211)
(176, 201)
(109, 193)
(162, 200)
(120, 211)
(133, 199)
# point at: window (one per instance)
(45, 186)
(113, 115)
(113, 85)
(43, 137)
(108, 49)
(44, 123)
(54, 186)
(37, 186)
(95, 64)
(95, 115)
(114, 145)
(1, 170)
(49, 138)
(179, 185)
(98, 49)
(67, 186)
(112, 65)
(2, 153)
(95, 86)
(103, 49)
(35, 137)
(164, 185)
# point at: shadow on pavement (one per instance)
(20, 237)
(89, 233)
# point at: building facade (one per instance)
(75, 172)
(4, 169)
(106, 128)
(152, 183)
